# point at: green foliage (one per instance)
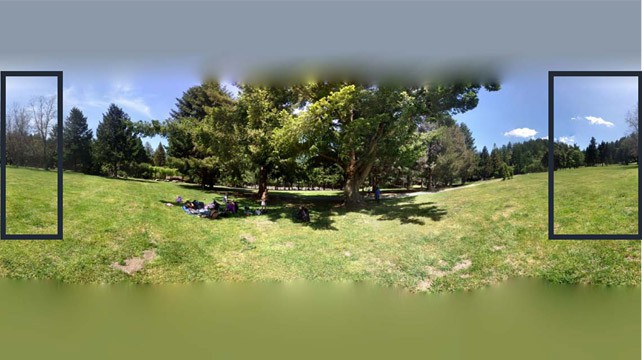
(358, 126)
(77, 139)
(203, 134)
(592, 155)
(160, 158)
(117, 146)
(454, 159)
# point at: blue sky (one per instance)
(584, 107)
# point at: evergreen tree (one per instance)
(77, 139)
(200, 131)
(116, 144)
(159, 155)
(149, 150)
(484, 164)
(468, 136)
(602, 153)
(592, 153)
(495, 163)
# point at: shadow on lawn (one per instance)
(324, 208)
(406, 210)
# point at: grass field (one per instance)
(461, 239)
(597, 200)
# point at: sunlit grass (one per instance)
(461, 239)
(597, 200)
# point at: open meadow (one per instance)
(452, 240)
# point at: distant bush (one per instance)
(148, 171)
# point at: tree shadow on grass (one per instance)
(320, 215)
(406, 210)
(323, 208)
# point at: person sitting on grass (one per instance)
(303, 214)
(210, 214)
(229, 207)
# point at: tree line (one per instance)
(341, 135)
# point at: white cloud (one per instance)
(137, 104)
(544, 137)
(594, 120)
(121, 94)
(569, 140)
(521, 132)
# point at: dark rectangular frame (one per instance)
(551, 141)
(3, 174)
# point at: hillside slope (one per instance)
(446, 241)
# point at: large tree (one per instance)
(159, 155)
(356, 125)
(117, 145)
(77, 138)
(455, 160)
(264, 109)
(201, 132)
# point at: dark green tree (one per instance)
(160, 156)
(116, 144)
(149, 150)
(603, 153)
(495, 163)
(484, 168)
(201, 132)
(77, 138)
(592, 154)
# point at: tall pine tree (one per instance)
(77, 139)
(159, 155)
(592, 155)
(116, 144)
(484, 169)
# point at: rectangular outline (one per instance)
(3, 175)
(551, 141)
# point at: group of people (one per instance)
(215, 209)
(229, 207)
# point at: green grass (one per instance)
(462, 239)
(597, 200)
(32, 202)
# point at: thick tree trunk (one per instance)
(355, 175)
(351, 192)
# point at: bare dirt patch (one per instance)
(435, 273)
(135, 264)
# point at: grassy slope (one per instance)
(596, 200)
(498, 228)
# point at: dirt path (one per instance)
(442, 190)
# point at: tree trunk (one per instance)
(263, 178)
(351, 192)
(355, 175)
